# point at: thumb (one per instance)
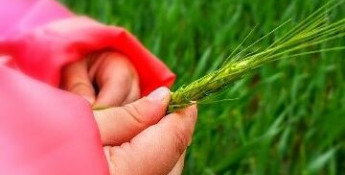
(120, 124)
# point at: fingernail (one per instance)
(159, 94)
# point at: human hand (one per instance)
(104, 79)
(140, 139)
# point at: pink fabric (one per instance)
(44, 130)
(18, 16)
(36, 47)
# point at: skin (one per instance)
(137, 135)
(115, 78)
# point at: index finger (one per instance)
(115, 77)
(75, 79)
(157, 149)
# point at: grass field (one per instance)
(290, 115)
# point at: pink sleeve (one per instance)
(46, 44)
(17, 16)
(44, 130)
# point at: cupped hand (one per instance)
(140, 138)
(105, 79)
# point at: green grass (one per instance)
(290, 115)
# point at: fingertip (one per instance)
(156, 103)
(192, 111)
(160, 94)
(188, 112)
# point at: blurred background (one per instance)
(290, 115)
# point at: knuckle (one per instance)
(77, 87)
(181, 140)
(133, 111)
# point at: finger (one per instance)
(114, 77)
(113, 92)
(134, 93)
(120, 124)
(178, 168)
(157, 149)
(74, 78)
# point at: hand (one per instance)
(140, 139)
(105, 79)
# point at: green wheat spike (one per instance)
(312, 31)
